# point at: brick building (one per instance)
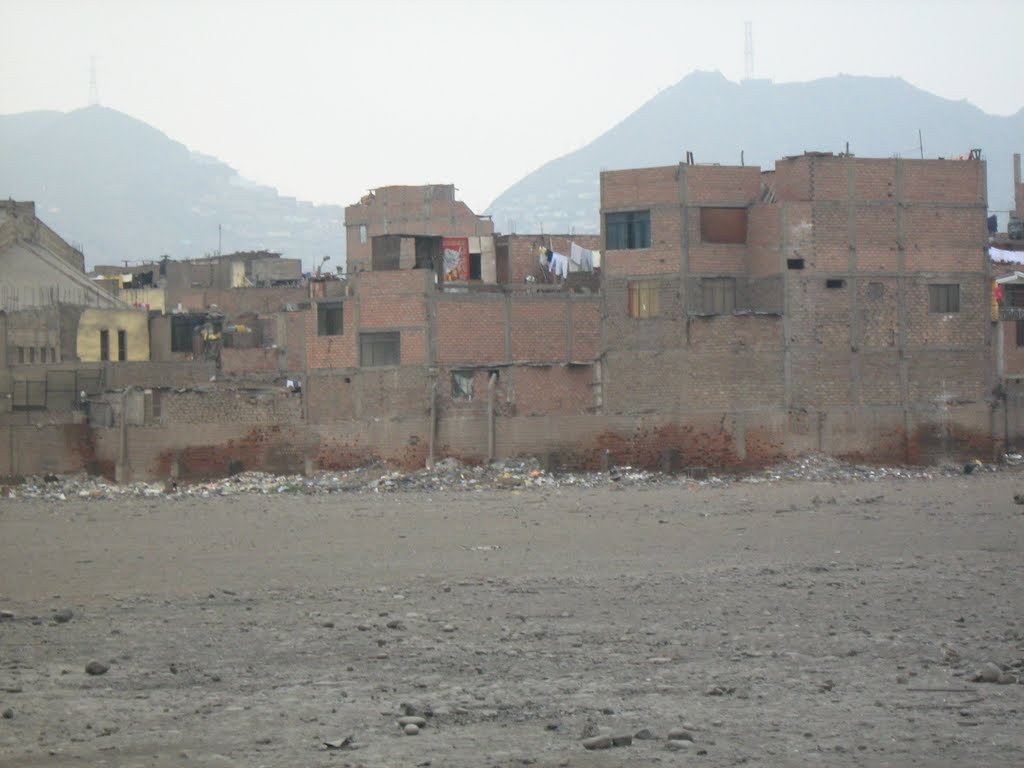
(834, 304)
(428, 211)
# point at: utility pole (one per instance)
(920, 143)
(748, 51)
(94, 89)
(219, 239)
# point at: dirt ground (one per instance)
(788, 623)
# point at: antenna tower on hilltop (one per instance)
(94, 89)
(748, 52)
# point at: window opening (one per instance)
(944, 298)
(377, 350)
(644, 298)
(330, 319)
(628, 230)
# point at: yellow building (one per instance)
(113, 335)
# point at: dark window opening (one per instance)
(122, 345)
(944, 298)
(627, 230)
(377, 350)
(794, 263)
(330, 319)
(21, 354)
(462, 385)
(1020, 333)
(104, 345)
(835, 283)
(723, 225)
(718, 295)
(496, 373)
(475, 272)
(182, 330)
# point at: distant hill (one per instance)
(122, 190)
(715, 119)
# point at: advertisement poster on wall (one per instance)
(456, 258)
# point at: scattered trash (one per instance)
(344, 743)
(451, 475)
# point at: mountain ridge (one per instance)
(716, 119)
(124, 190)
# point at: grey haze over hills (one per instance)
(123, 191)
(715, 119)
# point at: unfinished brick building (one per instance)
(836, 304)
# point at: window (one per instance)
(835, 283)
(475, 271)
(122, 345)
(723, 225)
(104, 345)
(944, 298)
(379, 349)
(330, 319)
(362, 233)
(462, 385)
(31, 354)
(644, 298)
(794, 263)
(1020, 333)
(876, 290)
(182, 329)
(21, 354)
(1015, 295)
(718, 295)
(627, 230)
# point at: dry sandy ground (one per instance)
(792, 623)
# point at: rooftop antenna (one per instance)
(748, 51)
(94, 90)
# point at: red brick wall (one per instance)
(470, 328)
(539, 329)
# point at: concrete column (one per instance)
(492, 379)
(122, 469)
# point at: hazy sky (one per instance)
(326, 99)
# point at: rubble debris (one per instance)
(346, 742)
(598, 742)
(96, 668)
(452, 475)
